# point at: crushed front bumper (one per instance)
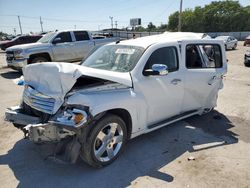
(33, 128)
(15, 115)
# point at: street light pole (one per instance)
(21, 31)
(111, 19)
(179, 25)
(41, 23)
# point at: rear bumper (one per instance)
(15, 115)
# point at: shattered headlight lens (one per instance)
(72, 117)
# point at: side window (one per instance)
(203, 56)
(81, 35)
(167, 56)
(65, 37)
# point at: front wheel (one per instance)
(39, 60)
(234, 46)
(105, 142)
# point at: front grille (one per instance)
(38, 101)
(9, 55)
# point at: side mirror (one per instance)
(56, 40)
(157, 69)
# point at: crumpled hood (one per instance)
(56, 79)
(28, 46)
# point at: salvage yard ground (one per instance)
(202, 151)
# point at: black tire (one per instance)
(88, 149)
(234, 46)
(39, 59)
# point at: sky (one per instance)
(87, 14)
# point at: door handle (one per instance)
(175, 81)
(214, 78)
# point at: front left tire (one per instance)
(105, 141)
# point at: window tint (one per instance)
(166, 56)
(81, 35)
(65, 37)
(203, 56)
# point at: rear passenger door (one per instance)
(83, 45)
(205, 65)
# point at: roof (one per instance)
(165, 37)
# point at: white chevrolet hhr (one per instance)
(122, 90)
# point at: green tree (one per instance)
(151, 26)
(218, 16)
(173, 21)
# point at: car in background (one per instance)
(229, 41)
(24, 39)
(247, 41)
(247, 59)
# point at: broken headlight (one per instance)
(72, 117)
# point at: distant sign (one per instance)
(135, 22)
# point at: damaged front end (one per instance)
(44, 114)
(35, 118)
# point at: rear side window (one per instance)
(65, 37)
(81, 35)
(167, 56)
(203, 56)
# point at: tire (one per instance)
(39, 60)
(103, 146)
(234, 47)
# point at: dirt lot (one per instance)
(219, 142)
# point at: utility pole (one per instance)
(179, 25)
(21, 31)
(111, 19)
(41, 23)
(99, 27)
(14, 31)
(116, 24)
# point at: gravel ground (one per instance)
(202, 151)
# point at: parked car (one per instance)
(58, 46)
(247, 41)
(24, 39)
(121, 91)
(229, 41)
(247, 59)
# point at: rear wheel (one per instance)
(39, 60)
(105, 142)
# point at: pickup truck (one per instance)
(65, 46)
(23, 39)
(122, 90)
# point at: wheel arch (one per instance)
(43, 54)
(123, 114)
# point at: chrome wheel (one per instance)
(108, 142)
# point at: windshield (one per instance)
(118, 58)
(46, 38)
